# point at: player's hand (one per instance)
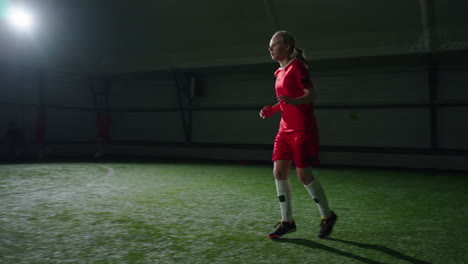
(284, 99)
(266, 112)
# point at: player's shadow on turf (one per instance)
(315, 245)
(382, 249)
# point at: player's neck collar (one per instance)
(287, 64)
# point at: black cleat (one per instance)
(326, 225)
(282, 228)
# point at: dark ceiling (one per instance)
(128, 36)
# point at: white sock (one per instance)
(316, 191)
(283, 189)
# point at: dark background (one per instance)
(186, 79)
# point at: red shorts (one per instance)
(300, 147)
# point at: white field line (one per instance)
(110, 171)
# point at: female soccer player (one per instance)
(297, 139)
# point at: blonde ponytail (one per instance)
(299, 55)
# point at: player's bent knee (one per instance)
(280, 175)
(305, 175)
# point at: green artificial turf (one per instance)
(221, 213)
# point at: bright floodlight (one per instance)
(20, 18)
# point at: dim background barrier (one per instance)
(379, 111)
(179, 80)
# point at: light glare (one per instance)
(20, 18)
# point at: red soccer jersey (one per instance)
(291, 81)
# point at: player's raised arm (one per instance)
(269, 110)
(308, 97)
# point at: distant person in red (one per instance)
(15, 140)
(103, 125)
(297, 140)
(41, 133)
